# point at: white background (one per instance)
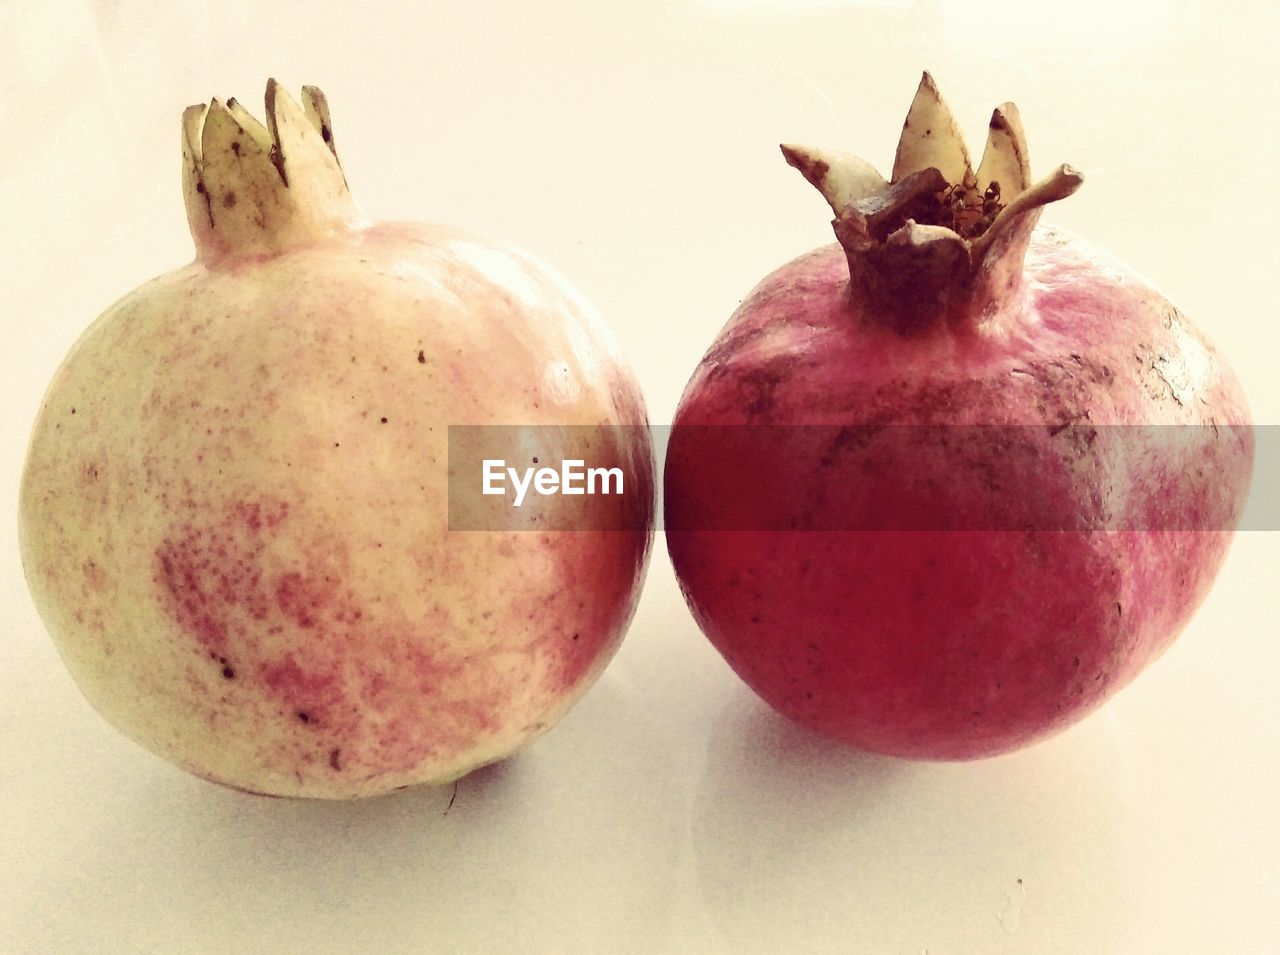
(633, 145)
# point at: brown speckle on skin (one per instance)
(94, 576)
(304, 716)
(383, 420)
(422, 357)
(335, 758)
(229, 200)
(758, 385)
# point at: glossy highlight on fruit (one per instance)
(941, 489)
(234, 508)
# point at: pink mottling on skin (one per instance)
(205, 573)
(94, 576)
(575, 648)
(381, 691)
(255, 515)
(285, 676)
(420, 712)
(576, 640)
(213, 578)
(179, 575)
(427, 670)
(300, 599)
(374, 687)
(309, 690)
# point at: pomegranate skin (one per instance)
(234, 515)
(915, 638)
(237, 514)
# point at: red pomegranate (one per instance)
(941, 489)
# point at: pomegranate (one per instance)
(234, 511)
(942, 488)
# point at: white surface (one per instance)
(634, 147)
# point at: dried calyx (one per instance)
(938, 241)
(255, 189)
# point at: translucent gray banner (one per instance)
(1064, 477)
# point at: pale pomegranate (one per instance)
(941, 489)
(234, 514)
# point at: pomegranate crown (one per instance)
(258, 189)
(937, 237)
